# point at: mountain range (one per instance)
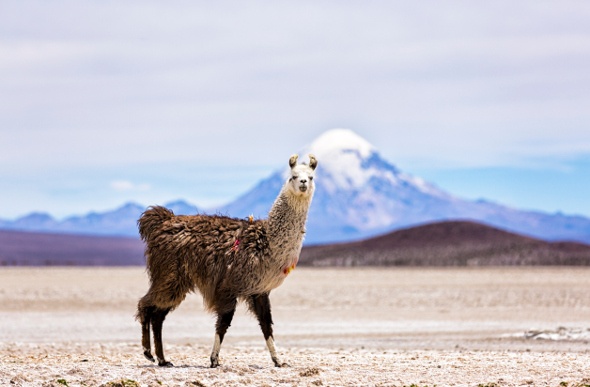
(358, 195)
(119, 222)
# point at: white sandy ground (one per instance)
(335, 327)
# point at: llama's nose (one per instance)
(303, 181)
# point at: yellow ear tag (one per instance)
(289, 269)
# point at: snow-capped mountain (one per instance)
(358, 194)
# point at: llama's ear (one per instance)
(293, 161)
(312, 161)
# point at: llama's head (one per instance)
(301, 180)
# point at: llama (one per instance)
(226, 259)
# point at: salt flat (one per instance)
(379, 326)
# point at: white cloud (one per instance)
(125, 185)
(122, 85)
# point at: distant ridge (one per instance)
(453, 243)
(459, 243)
(18, 248)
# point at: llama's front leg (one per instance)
(224, 319)
(260, 305)
(157, 321)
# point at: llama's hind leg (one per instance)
(259, 304)
(144, 315)
(225, 314)
(164, 295)
(158, 317)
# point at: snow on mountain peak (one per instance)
(351, 162)
(340, 140)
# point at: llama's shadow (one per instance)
(155, 366)
(192, 366)
(257, 367)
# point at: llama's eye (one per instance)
(294, 177)
(310, 178)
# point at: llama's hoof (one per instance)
(214, 363)
(164, 363)
(148, 355)
(281, 365)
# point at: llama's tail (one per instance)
(150, 222)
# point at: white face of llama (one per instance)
(302, 175)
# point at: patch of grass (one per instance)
(583, 383)
(488, 385)
(122, 383)
(62, 381)
(310, 372)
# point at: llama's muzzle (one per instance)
(303, 188)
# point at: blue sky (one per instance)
(106, 102)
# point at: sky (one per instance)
(105, 102)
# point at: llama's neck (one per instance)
(286, 224)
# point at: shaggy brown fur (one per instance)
(225, 259)
(208, 253)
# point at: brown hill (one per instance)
(456, 243)
(43, 249)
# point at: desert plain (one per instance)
(494, 326)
